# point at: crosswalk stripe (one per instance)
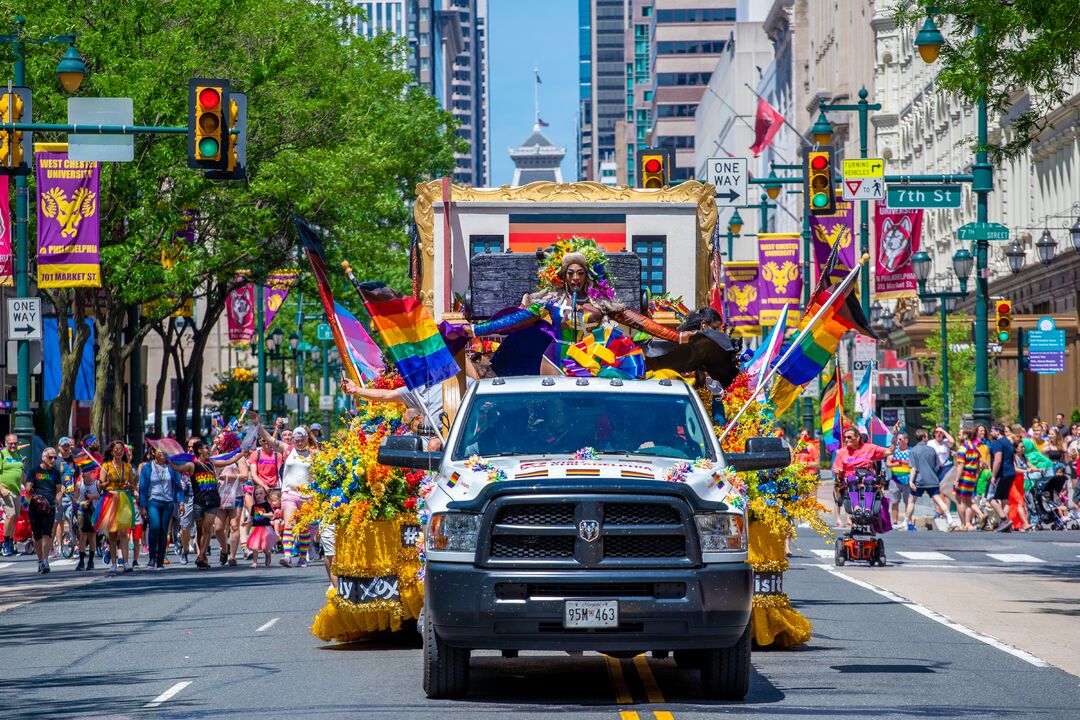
(823, 553)
(9, 564)
(64, 562)
(1015, 558)
(923, 555)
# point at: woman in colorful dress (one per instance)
(295, 475)
(207, 495)
(231, 481)
(969, 460)
(115, 514)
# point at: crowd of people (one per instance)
(119, 510)
(988, 475)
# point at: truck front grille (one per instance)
(589, 531)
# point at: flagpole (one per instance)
(833, 297)
(536, 92)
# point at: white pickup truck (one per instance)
(585, 514)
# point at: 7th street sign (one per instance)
(24, 318)
(728, 176)
(923, 196)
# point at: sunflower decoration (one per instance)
(600, 285)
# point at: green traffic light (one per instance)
(1003, 337)
(208, 147)
(820, 200)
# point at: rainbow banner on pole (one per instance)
(366, 355)
(410, 335)
(832, 411)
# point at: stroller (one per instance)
(22, 532)
(865, 502)
(1045, 507)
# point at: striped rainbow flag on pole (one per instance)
(832, 411)
(410, 335)
(365, 354)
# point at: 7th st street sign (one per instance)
(923, 196)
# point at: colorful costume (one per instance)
(262, 537)
(968, 455)
(115, 510)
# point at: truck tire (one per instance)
(725, 673)
(446, 669)
(688, 659)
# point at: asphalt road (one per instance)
(234, 643)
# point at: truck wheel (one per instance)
(725, 674)
(688, 659)
(446, 669)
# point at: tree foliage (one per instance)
(1030, 45)
(336, 134)
(961, 397)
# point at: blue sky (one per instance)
(524, 33)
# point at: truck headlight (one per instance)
(453, 532)
(721, 532)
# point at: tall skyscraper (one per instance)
(636, 127)
(601, 82)
(447, 53)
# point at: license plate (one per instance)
(591, 614)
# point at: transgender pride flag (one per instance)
(365, 354)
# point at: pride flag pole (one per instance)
(833, 297)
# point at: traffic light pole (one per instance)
(982, 184)
(24, 423)
(260, 379)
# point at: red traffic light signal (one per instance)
(818, 180)
(652, 166)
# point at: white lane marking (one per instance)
(1015, 558)
(824, 553)
(939, 618)
(9, 564)
(168, 694)
(267, 625)
(914, 555)
(63, 562)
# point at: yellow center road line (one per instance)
(652, 690)
(663, 715)
(628, 715)
(622, 691)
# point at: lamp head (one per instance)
(1046, 246)
(920, 266)
(1015, 257)
(294, 341)
(735, 223)
(929, 41)
(822, 130)
(1074, 233)
(772, 189)
(71, 70)
(963, 261)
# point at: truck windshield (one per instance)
(561, 423)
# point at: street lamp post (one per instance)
(863, 108)
(920, 264)
(929, 42)
(734, 227)
(70, 72)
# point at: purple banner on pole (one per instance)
(835, 229)
(780, 280)
(741, 302)
(68, 222)
(278, 284)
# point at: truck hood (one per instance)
(463, 480)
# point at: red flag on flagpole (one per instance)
(766, 124)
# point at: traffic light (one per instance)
(1003, 321)
(236, 154)
(16, 146)
(818, 180)
(653, 166)
(208, 124)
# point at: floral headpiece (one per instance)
(600, 288)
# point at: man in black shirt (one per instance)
(1003, 472)
(44, 487)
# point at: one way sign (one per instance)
(24, 318)
(728, 176)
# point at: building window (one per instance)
(652, 250)
(690, 47)
(677, 142)
(679, 110)
(696, 15)
(480, 244)
(646, 11)
(682, 78)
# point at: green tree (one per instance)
(1022, 45)
(337, 134)
(961, 397)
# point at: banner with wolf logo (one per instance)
(780, 280)
(68, 222)
(241, 314)
(7, 261)
(838, 229)
(741, 301)
(897, 233)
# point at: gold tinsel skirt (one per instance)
(773, 622)
(383, 551)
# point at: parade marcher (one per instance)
(206, 499)
(187, 506)
(1002, 473)
(87, 498)
(970, 462)
(231, 479)
(924, 479)
(899, 486)
(115, 513)
(69, 473)
(261, 536)
(11, 483)
(315, 431)
(294, 477)
(853, 455)
(160, 490)
(44, 487)
(943, 444)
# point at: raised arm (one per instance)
(381, 395)
(637, 321)
(274, 442)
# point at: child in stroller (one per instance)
(866, 504)
(1046, 509)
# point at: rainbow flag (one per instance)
(816, 344)
(85, 461)
(864, 400)
(366, 355)
(879, 433)
(768, 351)
(410, 335)
(832, 411)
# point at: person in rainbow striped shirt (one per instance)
(900, 489)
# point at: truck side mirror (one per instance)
(407, 451)
(762, 453)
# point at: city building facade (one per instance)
(537, 159)
(601, 82)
